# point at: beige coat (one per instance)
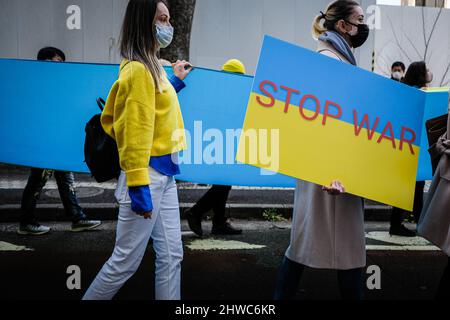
(327, 231)
(434, 224)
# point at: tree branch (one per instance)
(427, 44)
(414, 47)
(397, 41)
(443, 83)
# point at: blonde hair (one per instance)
(165, 63)
(335, 11)
(138, 40)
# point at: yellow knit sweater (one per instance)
(142, 121)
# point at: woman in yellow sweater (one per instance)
(142, 114)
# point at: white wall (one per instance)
(404, 34)
(222, 29)
(226, 29)
(28, 25)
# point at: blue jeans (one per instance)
(36, 182)
(350, 281)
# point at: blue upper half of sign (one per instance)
(351, 87)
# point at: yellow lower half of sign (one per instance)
(287, 143)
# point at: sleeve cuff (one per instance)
(138, 177)
(141, 199)
(177, 83)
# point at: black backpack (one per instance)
(100, 150)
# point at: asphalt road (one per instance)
(410, 270)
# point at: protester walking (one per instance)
(328, 224)
(434, 223)
(143, 116)
(65, 181)
(216, 197)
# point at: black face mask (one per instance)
(361, 37)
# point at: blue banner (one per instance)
(436, 105)
(45, 107)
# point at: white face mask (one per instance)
(397, 75)
(164, 35)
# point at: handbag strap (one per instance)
(101, 103)
(124, 66)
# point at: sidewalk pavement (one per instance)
(98, 199)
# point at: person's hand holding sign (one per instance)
(181, 69)
(336, 188)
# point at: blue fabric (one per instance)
(165, 165)
(339, 43)
(141, 199)
(177, 83)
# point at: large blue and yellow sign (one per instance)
(44, 107)
(335, 122)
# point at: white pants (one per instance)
(133, 234)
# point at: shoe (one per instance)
(84, 225)
(32, 229)
(402, 231)
(225, 230)
(194, 222)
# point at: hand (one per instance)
(336, 188)
(146, 215)
(181, 69)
